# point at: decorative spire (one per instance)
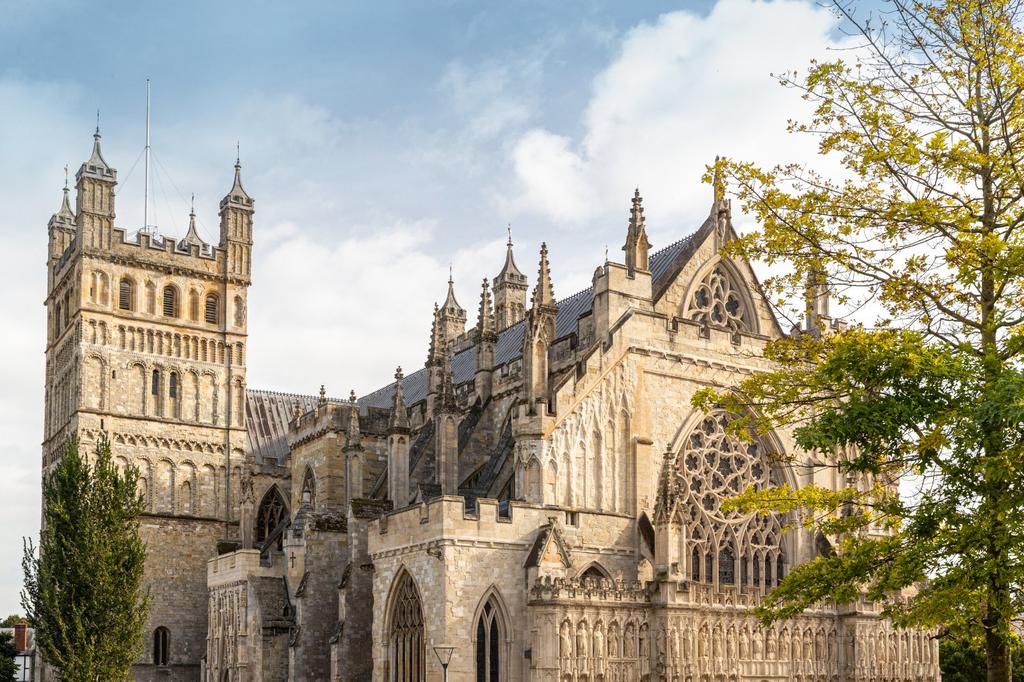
(637, 247)
(447, 399)
(399, 412)
(451, 306)
(354, 438)
(323, 395)
(237, 196)
(192, 237)
(96, 167)
(436, 342)
(543, 293)
(485, 316)
(64, 215)
(509, 271)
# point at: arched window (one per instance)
(712, 466)
(595, 573)
(269, 516)
(172, 383)
(161, 646)
(407, 647)
(720, 301)
(126, 295)
(155, 383)
(490, 632)
(170, 301)
(212, 309)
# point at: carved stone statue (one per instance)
(565, 648)
(599, 649)
(582, 647)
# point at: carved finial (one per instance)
(238, 153)
(637, 247)
(399, 413)
(65, 177)
(353, 421)
(323, 395)
(97, 134)
(485, 316)
(717, 183)
(296, 410)
(510, 235)
(352, 396)
(543, 292)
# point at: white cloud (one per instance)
(681, 91)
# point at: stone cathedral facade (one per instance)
(540, 495)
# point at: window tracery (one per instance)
(407, 645)
(488, 644)
(719, 301)
(729, 547)
(269, 516)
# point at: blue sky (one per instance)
(382, 142)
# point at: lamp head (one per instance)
(444, 654)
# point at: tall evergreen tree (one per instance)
(8, 662)
(83, 588)
(921, 215)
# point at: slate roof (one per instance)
(664, 263)
(267, 414)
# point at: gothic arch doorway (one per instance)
(406, 643)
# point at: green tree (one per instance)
(8, 664)
(83, 589)
(918, 214)
(11, 620)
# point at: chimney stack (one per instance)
(21, 636)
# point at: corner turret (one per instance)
(453, 316)
(236, 209)
(94, 200)
(509, 291)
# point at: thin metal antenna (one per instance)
(145, 200)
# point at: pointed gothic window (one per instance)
(269, 516)
(212, 309)
(161, 646)
(407, 646)
(719, 301)
(713, 466)
(489, 632)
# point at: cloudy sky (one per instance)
(382, 142)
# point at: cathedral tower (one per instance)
(146, 345)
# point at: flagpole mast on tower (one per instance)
(145, 201)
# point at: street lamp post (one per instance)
(444, 657)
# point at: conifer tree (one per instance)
(8, 661)
(921, 215)
(83, 589)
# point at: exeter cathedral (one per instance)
(539, 498)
